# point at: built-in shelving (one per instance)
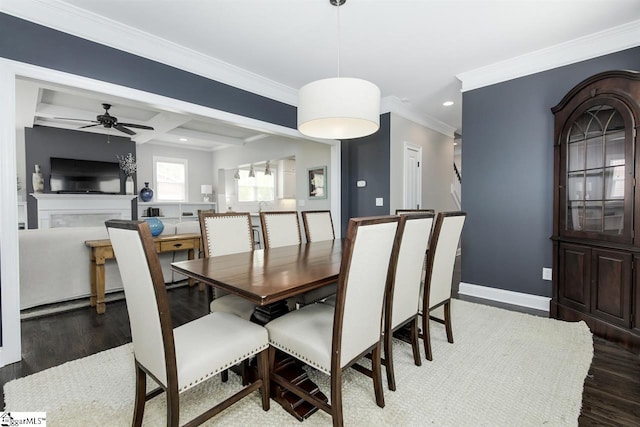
(175, 211)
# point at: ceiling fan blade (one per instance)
(89, 126)
(133, 125)
(75, 120)
(121, 128)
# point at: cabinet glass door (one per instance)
(595, 172)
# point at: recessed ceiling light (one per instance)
(183, 139)
(447, 103)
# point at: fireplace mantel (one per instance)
(60, 210)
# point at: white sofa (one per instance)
(54, 263)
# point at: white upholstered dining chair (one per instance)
(280, 228)
(331, 339)
(318, 226)
(402, 303)
(441, 259)
(414, 211)
(178, 359)
(226, 234)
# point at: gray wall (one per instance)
(366, 159)
(24, 41)
(507, 189)
(42, 143)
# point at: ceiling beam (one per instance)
(26, 103)
(161, 123)
(206, 137)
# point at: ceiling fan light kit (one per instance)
(108, 121)
(340, 107)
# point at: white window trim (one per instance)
(185, 162)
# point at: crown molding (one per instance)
(393, 104)
(81, 23)
(591, 46)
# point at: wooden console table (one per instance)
(101, 250)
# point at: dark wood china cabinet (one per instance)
(596, 225)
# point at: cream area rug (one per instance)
(504, 369)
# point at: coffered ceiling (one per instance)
(47, 104)
(420, 53)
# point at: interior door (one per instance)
(412, 182)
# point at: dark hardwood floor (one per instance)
(611, 394)
(51, 340)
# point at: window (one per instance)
(260, 188)
(170, 179)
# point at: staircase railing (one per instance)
(456, 188)
(455, 169)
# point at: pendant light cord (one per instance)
(339, 35)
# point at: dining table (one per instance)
(268, 278)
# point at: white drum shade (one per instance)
(339, 108)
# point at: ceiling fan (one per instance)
(109, 121)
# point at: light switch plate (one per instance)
(547, 274)
(379, 201)
(301, 202)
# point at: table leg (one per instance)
(99, 266)
(92, 278)
(190, 256)
(289, 368)
(96, 270)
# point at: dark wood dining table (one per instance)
(268, 277)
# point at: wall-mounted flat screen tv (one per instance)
(84, 176)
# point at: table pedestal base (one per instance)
(265, 314)
(288, 367)
(291, 369)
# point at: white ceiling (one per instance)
(417, 52)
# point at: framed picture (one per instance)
(317, 179)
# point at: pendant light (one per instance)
(252, 173)
(339, 107)
(267, 169)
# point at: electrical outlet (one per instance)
(379, 201)
(546, 274)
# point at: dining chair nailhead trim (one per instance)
(249, 229)
(300, 357)
(222, 368)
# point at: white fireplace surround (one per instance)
(81, 210)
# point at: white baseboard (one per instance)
(509, 297)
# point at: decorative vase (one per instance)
(155, 225)
(37, 180)
(146, 194)
(129, 186)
